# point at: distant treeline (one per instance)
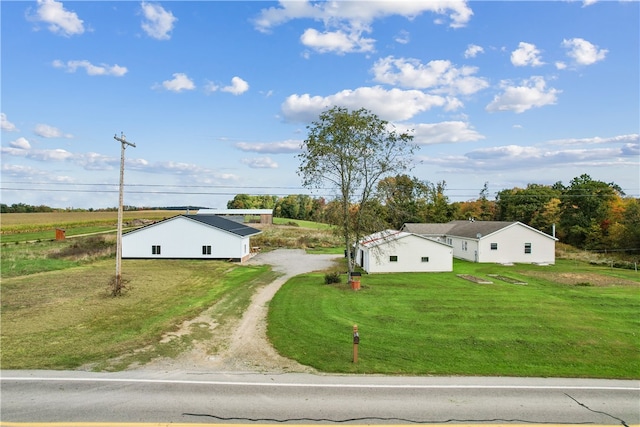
(24, 208)
(587, 214)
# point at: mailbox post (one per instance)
(356, 341)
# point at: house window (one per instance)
(155, 249)
(527, 248)
(464, 246)
(494, 246)
(206, 250)
(424, 259)
(393, 258)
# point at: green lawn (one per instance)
(440, 324)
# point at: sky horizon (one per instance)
(217, 95)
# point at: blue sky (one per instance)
(217, 95)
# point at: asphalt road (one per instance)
(200, 397)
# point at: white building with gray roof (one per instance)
(190, 237)
(503, 242)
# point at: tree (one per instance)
(486, 207)
(438, 208)
(585, 208)
(351, 151)
(404, 199)
(528, 205)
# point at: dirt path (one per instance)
(246, 348)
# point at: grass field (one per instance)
(65, 319)
(440, 324)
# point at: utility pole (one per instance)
(117, 286)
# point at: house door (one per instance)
(475, 255)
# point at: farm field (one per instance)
(572, 319)
(45, 223)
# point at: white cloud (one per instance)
(288, 146)
(526, 54)
(352, 11)
(473, 50)
(623, 152)
(448, 132)
(402, 37)
(60, 20)
(391, 105)
(157, 23)
(531, 93)
(210, 87)
(179, 83)
(21, 144)
(47, 131)
(439, 75)
(40, 155)
(583, 52)
(345, 21)
(631, 138)
(560, 65)
(237, 86)
(92, 70)
(260, 163)
(6, 125)
(631, 150)
(516, 158)
(336, 41)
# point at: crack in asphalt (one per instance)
(623, 422)
(361, 419)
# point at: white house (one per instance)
(491, 241)
(393, 251)
(192, 237)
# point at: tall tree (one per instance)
(404, 199)
(525, 204)
(351, 151)
(438, 209)
(585, 207)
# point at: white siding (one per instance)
(511, 246)
(409, 251)
(183, 238)
(464, 248)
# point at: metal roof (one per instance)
(235, 212)
(224, 224)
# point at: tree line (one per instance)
(586, 213)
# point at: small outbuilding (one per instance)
(392, 251)
(503, 242)
(190, 237)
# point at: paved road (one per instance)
(199, 397)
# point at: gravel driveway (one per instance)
(244, 345)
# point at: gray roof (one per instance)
(471, 229)
(428, 229)
(235, 212)
(224, 224)
(464, 228)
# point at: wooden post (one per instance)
(117, 286)
(356, 341)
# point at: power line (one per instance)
(635, 192)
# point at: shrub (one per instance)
(331, 278)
